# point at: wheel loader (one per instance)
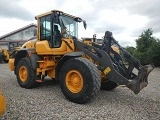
(4, 55)
(81, 67)
(7, 53)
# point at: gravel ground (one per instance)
(47, 102)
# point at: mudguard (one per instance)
(28, 53)
(64, 59)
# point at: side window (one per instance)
(70, 28)
(45, 28)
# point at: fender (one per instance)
(30, 53)
(65, 58)
(34, 58)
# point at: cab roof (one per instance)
(50, 12)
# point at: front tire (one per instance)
(79, 80)
(26, 75)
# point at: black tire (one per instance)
(6, 61)
(108, 85)
(27, 79)
(1, 58)
(13, 55)
(90, 80)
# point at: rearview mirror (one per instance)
(84, 24)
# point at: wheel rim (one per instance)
(74, 81)
(23, 73)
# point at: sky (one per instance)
(126, 19)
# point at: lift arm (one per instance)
(115, 70)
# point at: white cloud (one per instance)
(38, 7)
(126, 20)
(9, 25)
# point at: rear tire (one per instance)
(1, 58)
(108, 85)
(79, 80)
(26, 75)
(6, 61)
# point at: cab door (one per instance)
(51, 40)
(59, 46)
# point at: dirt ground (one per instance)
(47, 102)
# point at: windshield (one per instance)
(70, 25)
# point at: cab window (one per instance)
(45, 28)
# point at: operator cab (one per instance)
(55, 25)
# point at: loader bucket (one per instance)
(141, 81)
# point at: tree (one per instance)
(130, 49)
(144, 41)
(148, 48)
(154, 52)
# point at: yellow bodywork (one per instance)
(67, 46)
(2, 104)
(49, 63)
(11, 64)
